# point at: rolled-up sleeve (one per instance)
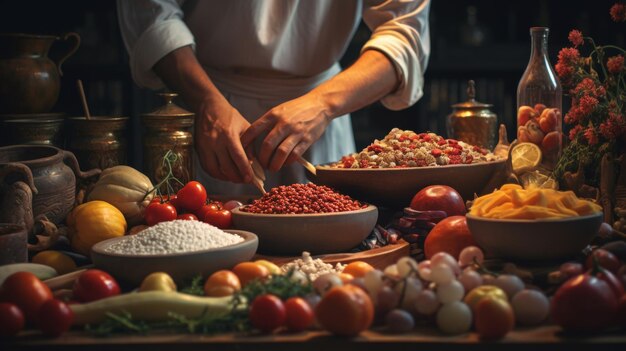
(151, 29)
(400, 31)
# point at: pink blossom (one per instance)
(573, 133)
(618, 12)
(591, 136)
(575, 37)
(615, 64)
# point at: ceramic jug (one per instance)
(53, 172)
(29, 79)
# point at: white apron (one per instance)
(252, 97)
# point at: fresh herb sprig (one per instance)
(283, 286)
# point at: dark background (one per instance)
(484, 40)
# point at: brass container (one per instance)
(42, 131)
(98, 142)
(169, 127)
(473, 122)
(29, 80)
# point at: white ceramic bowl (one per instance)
(395, 187)
(534, 240)
(132, 269)
(290, 234)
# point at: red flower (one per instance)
(569, 56)
(587, 104)
(618, 12)
(588, 86)
(615, 64)
(613, 127)
(591, 136)
(574, 132)
(564, 72)
(575, 37)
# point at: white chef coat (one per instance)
(261, 53)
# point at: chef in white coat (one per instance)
(263, 75)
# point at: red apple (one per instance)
(439, 198)
(451, 235)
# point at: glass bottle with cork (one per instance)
(539, 96)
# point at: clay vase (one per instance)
(53, 172)
(29, 80)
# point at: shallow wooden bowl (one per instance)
(132, 269)
(395, 187)
(534, 240)
(319, 233)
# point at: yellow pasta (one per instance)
(512, 201)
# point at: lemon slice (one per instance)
(525, 157)
(537, 179)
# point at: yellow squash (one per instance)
(125, 188)
(92, 222)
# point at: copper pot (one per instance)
(29, 80)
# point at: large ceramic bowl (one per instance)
(534, 240)
(132, 269)
(395, 187)
(290, 234)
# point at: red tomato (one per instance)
(606, 260)
(192, 196)
(158, 212)
(27, 292)
(221, 219)
(345, 310)
(584, 303)
(187, 216)
(202, 211)
(300, 315)
(94, 284)
(55, 318)
(267, 313)
(11, 319)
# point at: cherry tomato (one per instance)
(358, 269)
(192, 196)
(606, 260)
(222, 283)
(202, 211)
(584, 303)
(55, 317)
(222, 219)
(300, 315)
(187, 216)
(27, 292)
(247, 271)
(11, 319)
(171, 199)
(160, 212)
(267, 313)
(345, 310)
(94, 284)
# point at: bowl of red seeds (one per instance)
(388, 172)
(306, 217)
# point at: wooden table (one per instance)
(534, 339)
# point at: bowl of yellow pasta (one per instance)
(533, 224)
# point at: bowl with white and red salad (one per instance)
(389, 171)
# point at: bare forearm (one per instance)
(181, 72)
(369, 79)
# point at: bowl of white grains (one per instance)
(182, 248)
